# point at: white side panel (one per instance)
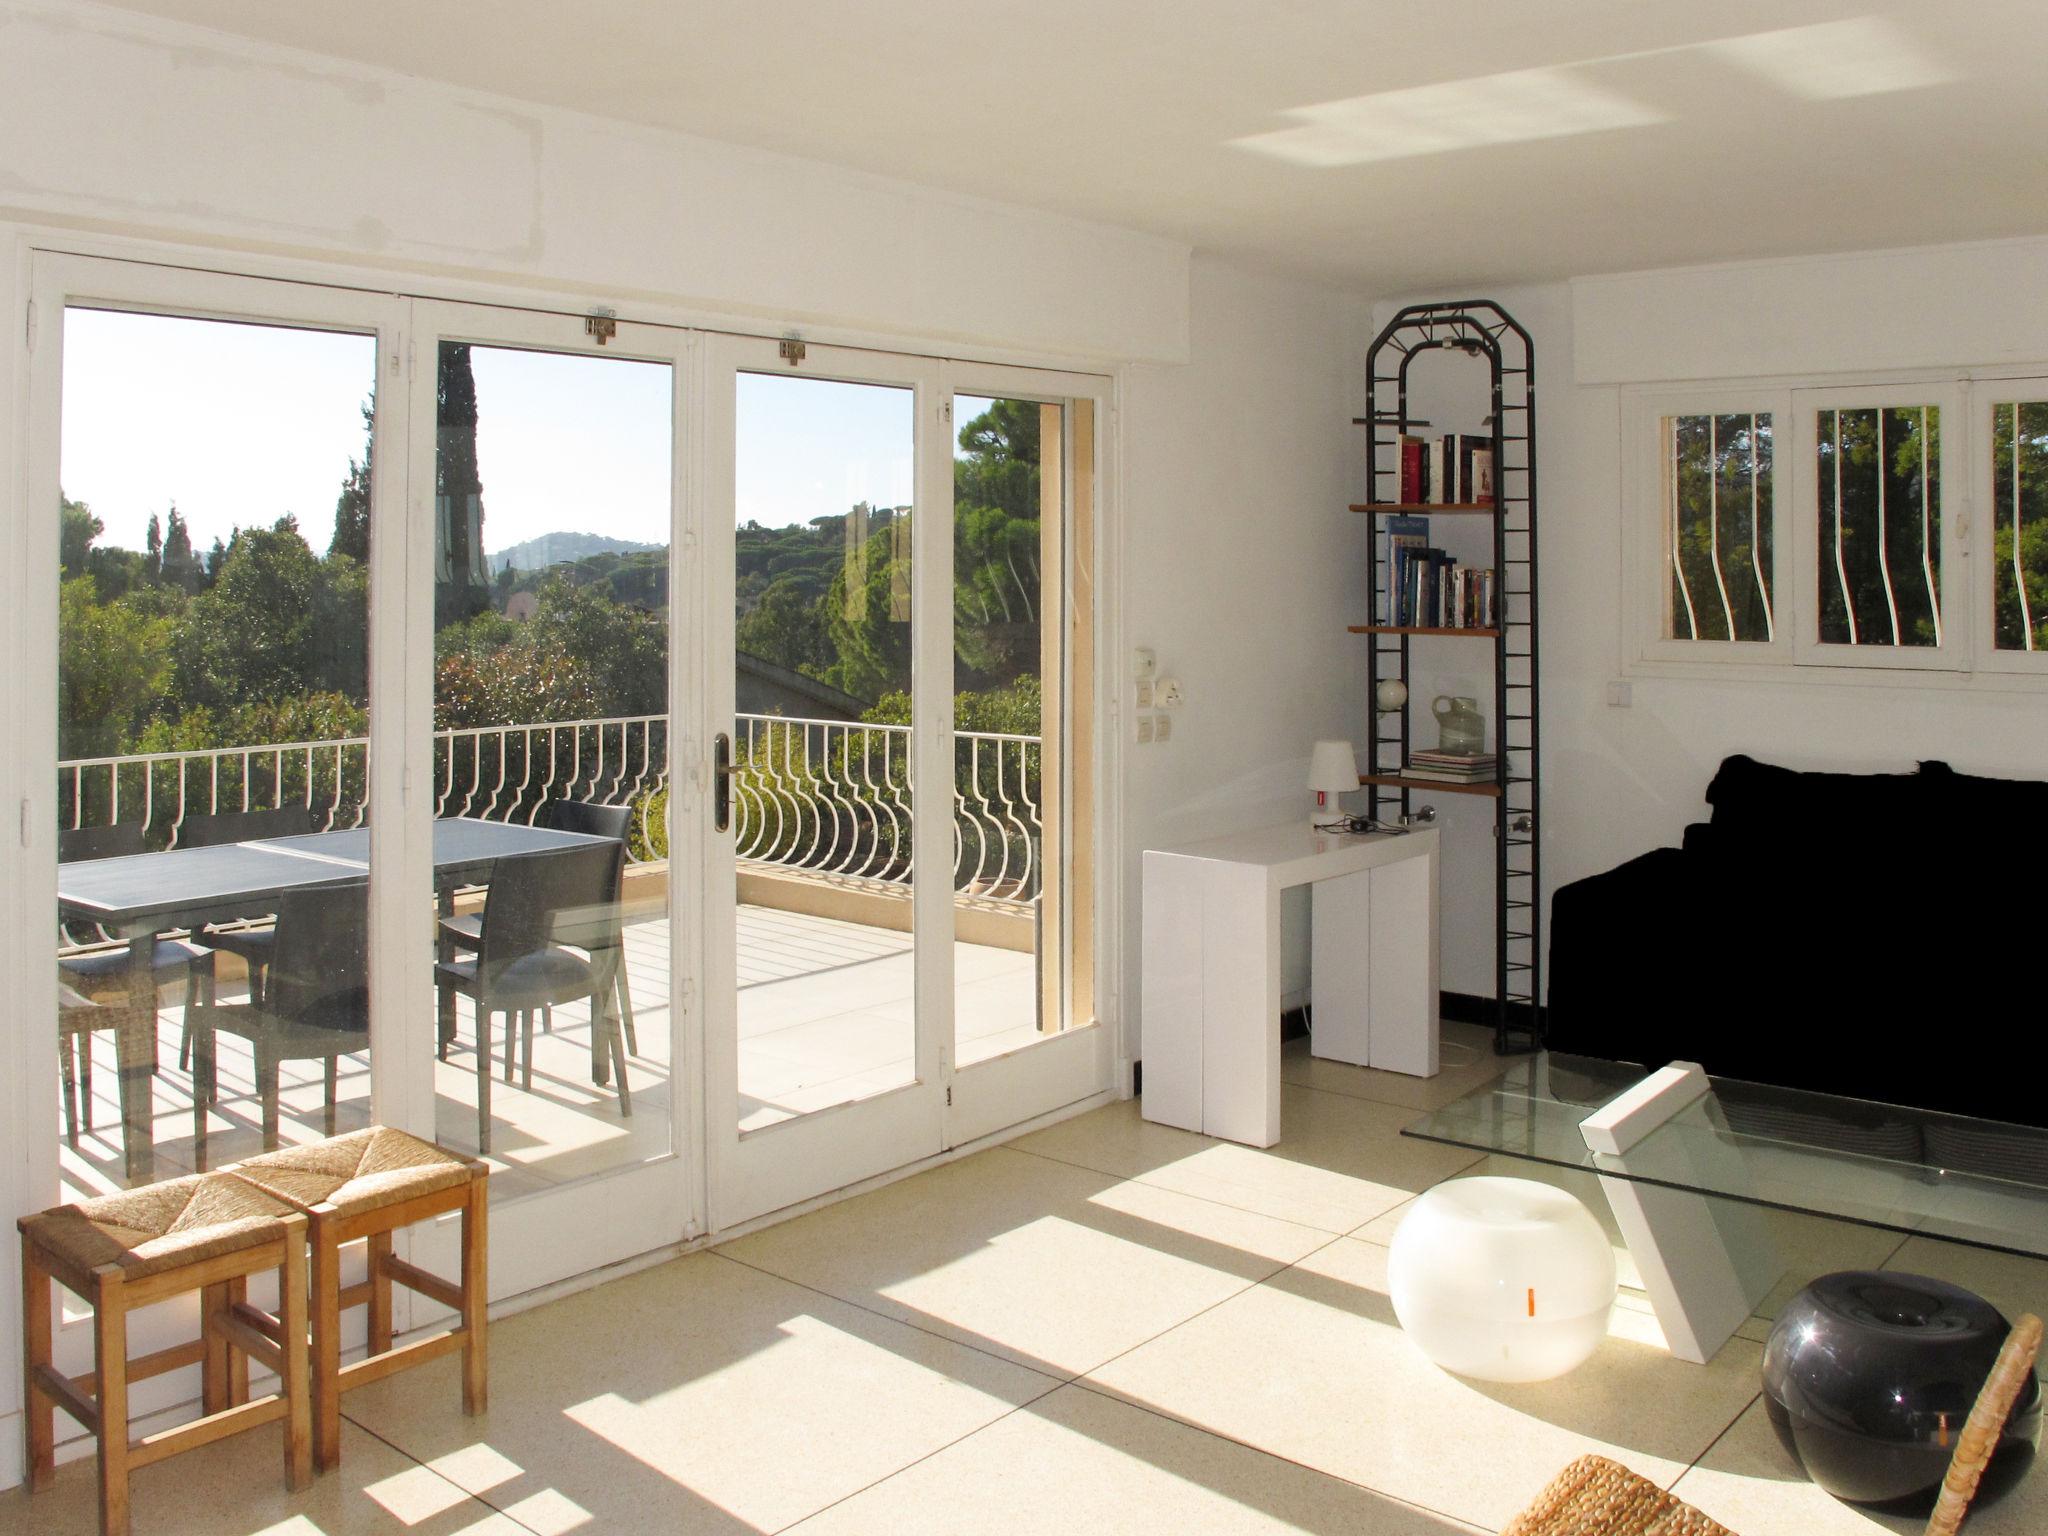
(1172, 983)
(1402, 996)
(1241, 1013)
(1342, 968)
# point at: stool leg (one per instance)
(67, 1068)
(291, 1306)
(238, 1363)
(380, 1293)
(326, 1261)
(213, 1365)
(476, 1244)
(36, 1320)
(483, 1078)
(110, 1366)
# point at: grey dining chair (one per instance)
(315, 1004)
(250, 936)
(537, 906)
(101, 974)
(593, 820)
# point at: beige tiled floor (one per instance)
(1104, 1327)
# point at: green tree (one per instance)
(181, 566)
(783, 627)
(996, 532)
(112, 670)
(462, 585)
(153, 550)
(277, 622)
(75, 536)
(352, 506)
(621, 652)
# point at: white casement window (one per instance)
(1881, 513)
(1881, 526)
(1709, 577)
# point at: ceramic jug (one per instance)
(1460, 726)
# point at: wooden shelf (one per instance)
(1416, 629)
(1422, 507)
(1449, 787)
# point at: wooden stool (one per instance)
(206, 1233)
(368, 1184)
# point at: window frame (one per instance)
(1988, 394)
(1969, 656)
(1648, 561)
(1953, 652)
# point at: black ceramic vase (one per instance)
(1868, 1378)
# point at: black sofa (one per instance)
(1881, 936)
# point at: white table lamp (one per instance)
(1332, 771)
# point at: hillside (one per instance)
(548, 549)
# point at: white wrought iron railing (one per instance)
(830, 798)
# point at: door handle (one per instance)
(721, 781)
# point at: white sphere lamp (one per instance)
(1390, 695)
(1502, 1279)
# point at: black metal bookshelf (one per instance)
(1480, 328)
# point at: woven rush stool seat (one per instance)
(367, 1185)
(205, 1233)
(1597, 1497)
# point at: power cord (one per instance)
(1358, 825)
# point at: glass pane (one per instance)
(1010, 555)
(213, 630)
(551, 750)
(2019, 511)
(1717, 521)
(821, 803)
(1880, 526)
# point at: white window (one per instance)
(1877, 526)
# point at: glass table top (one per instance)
(1979, 1182)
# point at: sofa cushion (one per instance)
(1851, 820)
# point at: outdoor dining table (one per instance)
(139, 896)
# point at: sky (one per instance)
(238, 424)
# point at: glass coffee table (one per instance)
(1689, 1163)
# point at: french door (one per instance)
(397, 595)
(898, 898)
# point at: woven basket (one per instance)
(1597, 1497)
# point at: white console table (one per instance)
(1211, 967)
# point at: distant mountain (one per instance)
(537, 554)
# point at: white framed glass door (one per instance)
(827, 926)
(212, 570)
(1025, 750)
(546, 506)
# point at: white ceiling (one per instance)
(1385, 144)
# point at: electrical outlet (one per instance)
(1162, 727)
(1169, 694)
(1144, 729)
(1144, 695)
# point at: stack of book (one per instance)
(1454, 468)
(1453, 767)
(1427, 589)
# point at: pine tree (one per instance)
(153, 554)
(352, 507)
(180, 565)
(462, 588)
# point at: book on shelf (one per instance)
(1444, 759)
(1456, 468)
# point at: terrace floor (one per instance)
(1106, 1326)
(825, 1016)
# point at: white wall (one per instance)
(1619, 781)
(114, 120)
(1242, 566)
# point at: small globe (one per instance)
(1502, 1279)
(1869, 1376)
(1391, 695)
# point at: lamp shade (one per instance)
(1333, 768)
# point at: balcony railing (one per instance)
(828, 798)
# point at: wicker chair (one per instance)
(538, 903)
(593, 820)
(253, 936)
(1597, 1497)
(315, 1005)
